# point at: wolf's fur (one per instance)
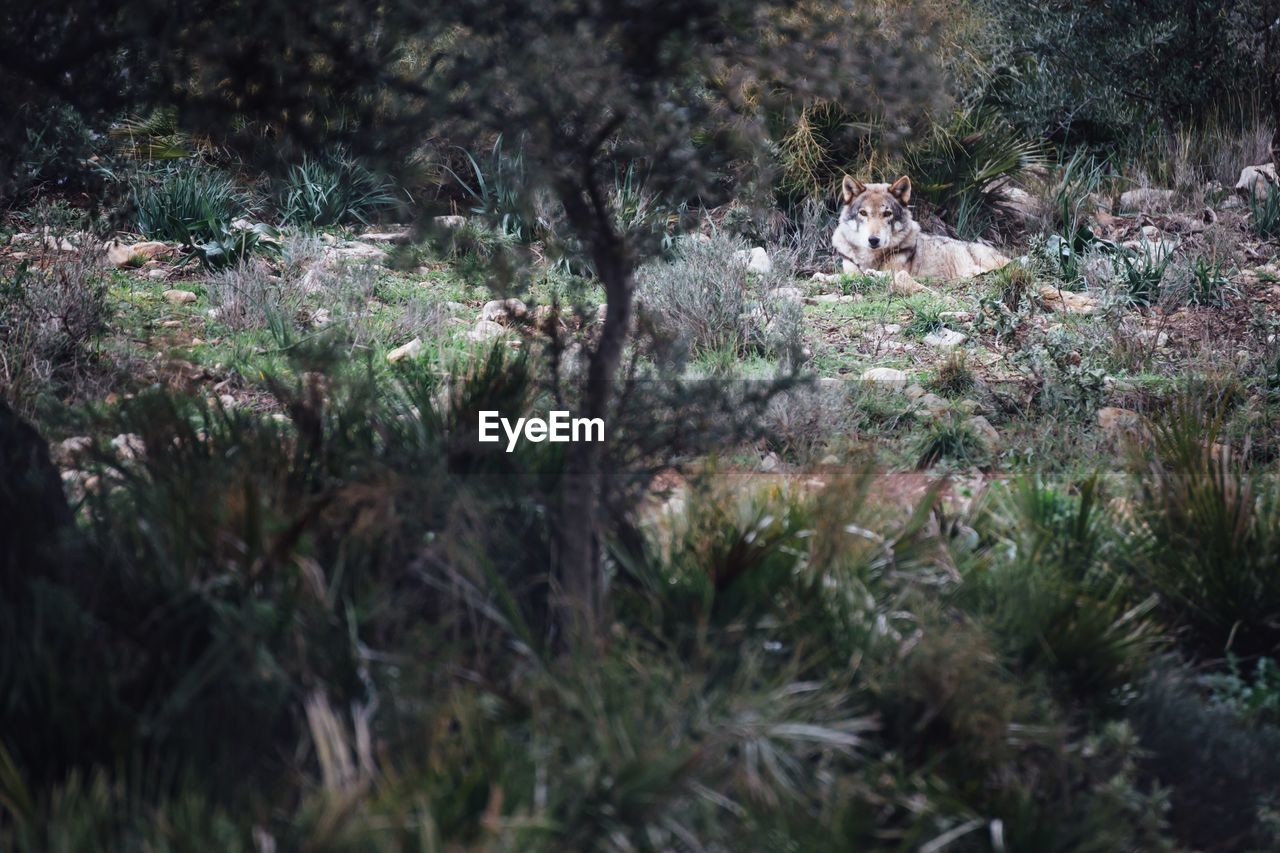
(877, 232)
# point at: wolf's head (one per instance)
(875, 216)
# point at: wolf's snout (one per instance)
(873, 242)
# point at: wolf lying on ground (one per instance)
(877, 232)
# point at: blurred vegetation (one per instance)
(328, 618)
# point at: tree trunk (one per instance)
(579, 572)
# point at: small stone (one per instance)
(1255, 180)
(770, 462)
(826, 298)
(904, 285)
(157, 274)
(129, 446)
(945, 339)
(889, 377)
(486, 330)
(1067, 300)
(503, 310)
(756, 260)
(933, 405)
(180, 297)
(792, 294)
(409, 350)
(227, 401)
(915, 391)
(69, 451)
(400, 235)
(982, 427)
(450, 221)
(829, 459)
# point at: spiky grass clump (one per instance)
(187, 204)
(963, 165)
(954, 377)
(1264, 213)
(334, 190)
(951, 441)
(1210, 535)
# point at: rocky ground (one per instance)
(967, 380)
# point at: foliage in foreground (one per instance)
(334, 631)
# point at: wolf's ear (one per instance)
(901, 189)
(851, 188)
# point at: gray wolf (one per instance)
(877, 232)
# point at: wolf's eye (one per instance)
(862, 212)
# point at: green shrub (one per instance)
(962, 166)
(51, 320)
(1069, 75)
(951, 441)
(1221, 771)
(704, 300)
(1264, 213)
(954, 377)
(1059, 602)
(187, 204)
(333, 190)
(1209, 536)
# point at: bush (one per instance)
(51, 318)
(1264, 213)
(334, 190)
(1070, 75)
(963, 166)
(1209, 536)
(187, 204)
(1059, 601)
(249, 296)
(704, 301)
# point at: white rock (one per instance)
(129, 446)
(486, 330)
(933, 405)
(502, 310)
(180, 297)
(756, 260)
(400, 235)
(409, 350)
(354, 250)
(889, 377)
(793, 294)
(770, 462)
(450, 221)
(945, 339)
(1254, 180)
(67, 452)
